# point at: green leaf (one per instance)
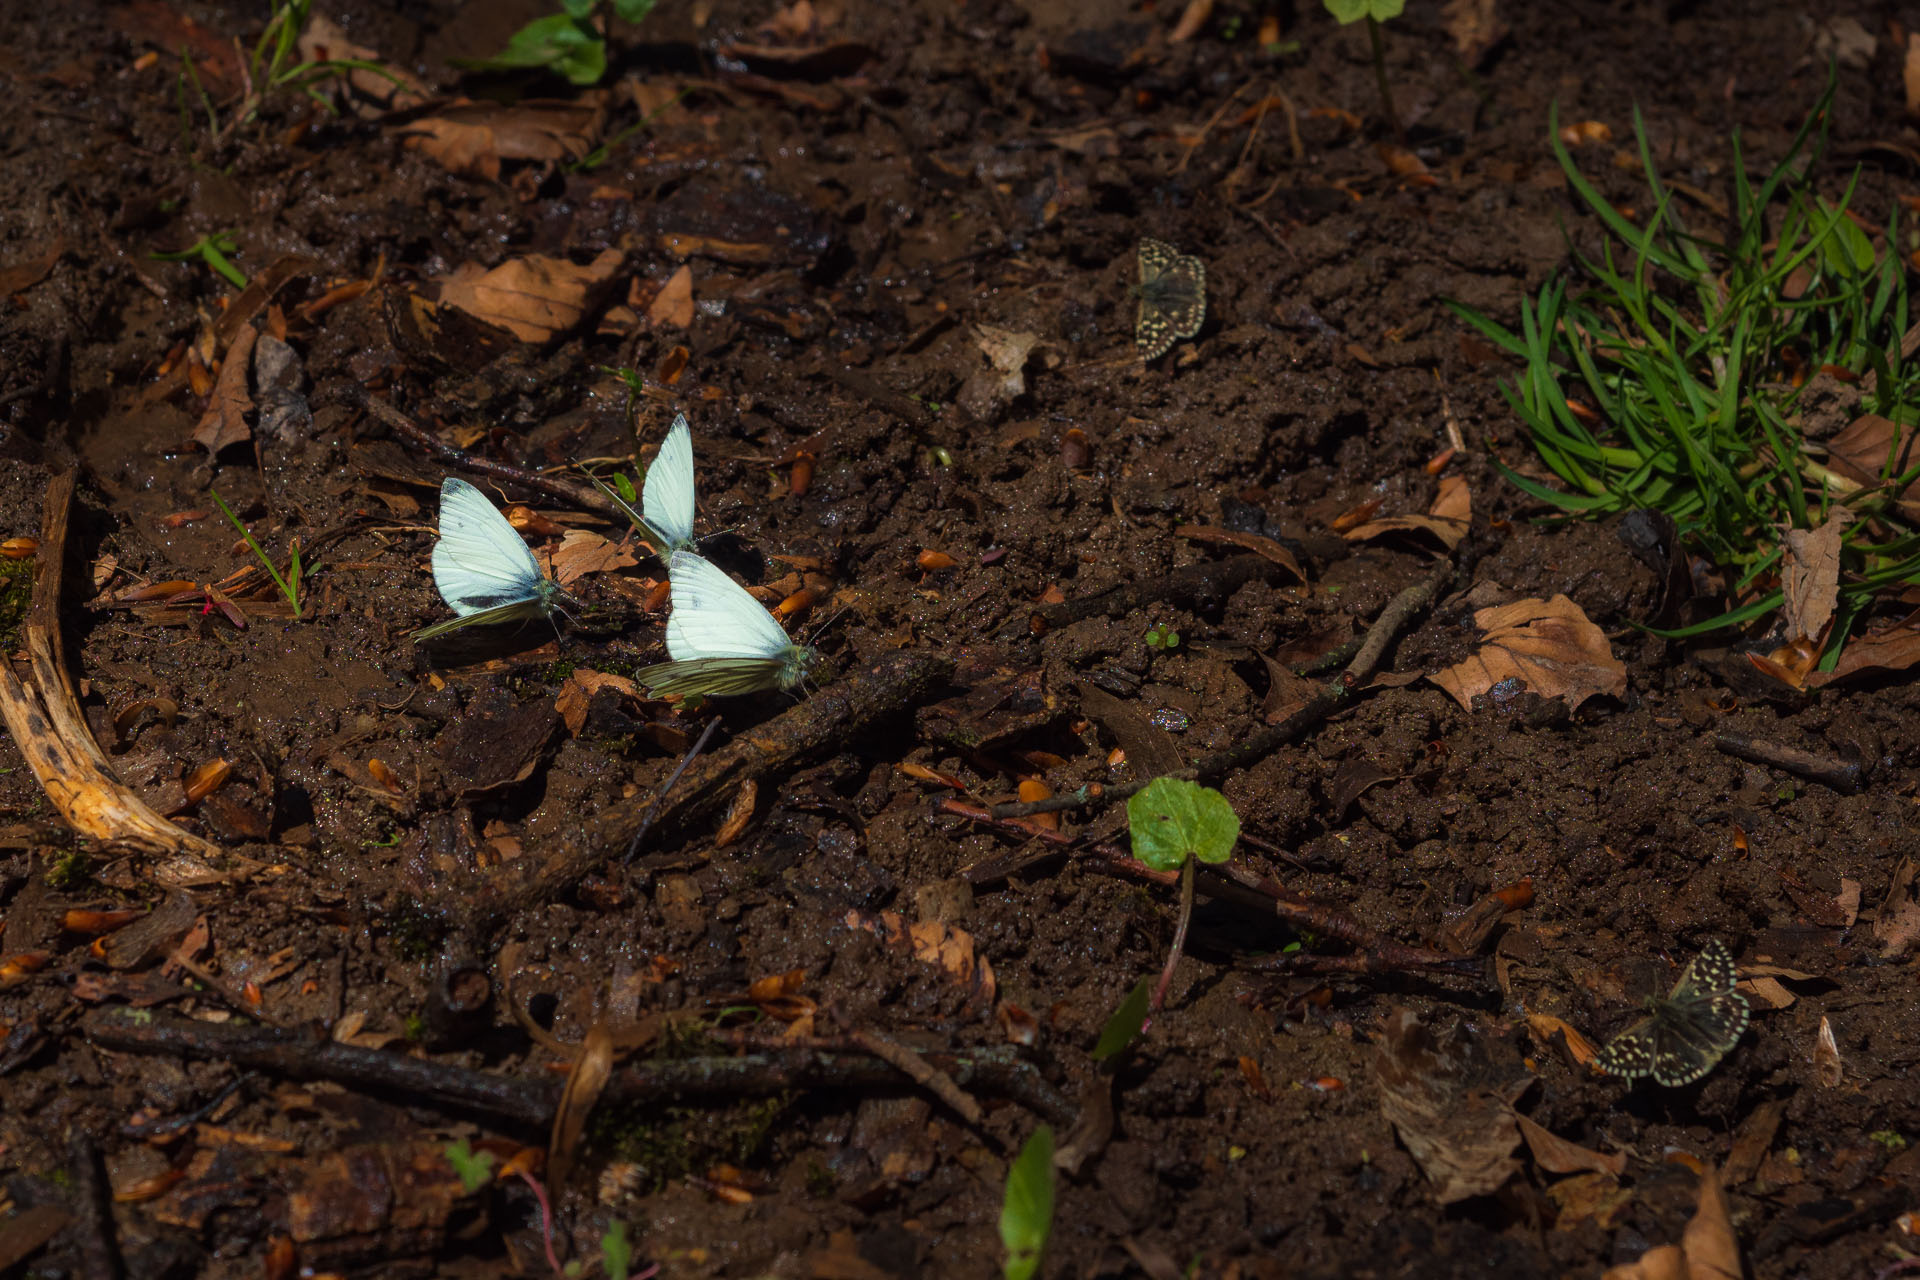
(1345, 11)
(474, 1168)
(634, 11)
(627, 492)
(1171, 820)
(617, 1251)
(1125, 1024)
(1026, 1214)
(579, 9)
(559, 42)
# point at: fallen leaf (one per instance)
(475, 137)
(1545, 1026)
(28, 272)
(1867, 445)
(1447, 519)
(942, 945)
(1708, 1249)
(1557, 1155)
(1767, 991)
(1549, 646)
(1474, 26)
(1192, 19)
(1810, 577)
(1588, 1197)
(1889, 649)
(1827, 1067)
(1450, 1105)
(536, 298)
(577, 693)
(1910, 73)
(225, 421)
(1264, 547)
(672, 307)
(1897, 923)
(582, 552)
(370, 90)
(1844, 40)
(592, 1069)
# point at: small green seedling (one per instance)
(1171, 823)
(474, 1168)
(616, 1250)
(1375, 12)
(1026, 1213)
(213, 251)
(289, 585)
(1124, 1027)
(571, 43)
(1162, 636)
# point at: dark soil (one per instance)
(851, 217)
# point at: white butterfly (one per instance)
(722, 640)
(666, 495)
(482, 567)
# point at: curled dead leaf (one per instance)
(225, 421)
(582, 552)
(1450, 1104)
(1546, 646)
(950, 949)
(476, 137)
(1708, 1248)
(536, 298)
(1447, 520)
(1556, 1154)
(1810, 576)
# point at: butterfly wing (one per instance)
(538, 607)
(716, 677)
(666, 496)
(480, 561)
(714, 617)
(1632, 1053)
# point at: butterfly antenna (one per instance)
(646, 822)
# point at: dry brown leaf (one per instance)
(1910, 73)
(1708, 1249)
(30, 271)
(1862, 449)
(577, 694)
(581, 553)
(1447, 519)
(1588, 1197)
(1767, 991)
(1264, 547)
(475, 137)
(1451, 1106)
(536, 298)
(1811, 575)
(672, 307)
(1545, 1025)
(1557, 1155)
(1889, 649)
(368, 92)
(1474, 26)
(943, 945)
(225, 421)
(1827, 1068)
(1549, 646)
(1897, 924)
(739, 814)
(585, 1083)
(1192, 18)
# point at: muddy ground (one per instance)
(414, 854)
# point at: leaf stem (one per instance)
(1179, 936)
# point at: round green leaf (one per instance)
(1171, 820)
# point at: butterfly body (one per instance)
(1687, 1032)
(1173, 298)
(482, 567)
(721, 639)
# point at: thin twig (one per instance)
(660, 794)
(584, 497)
